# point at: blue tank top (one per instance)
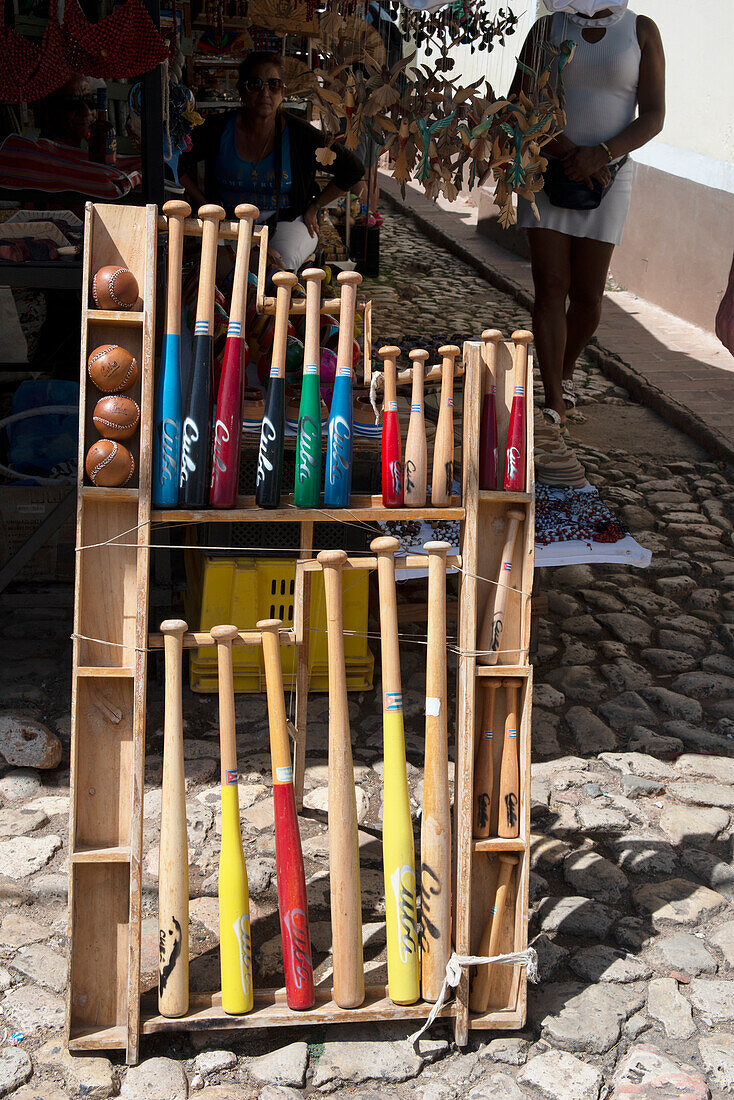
(241, 180)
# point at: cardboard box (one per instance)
(23, 508)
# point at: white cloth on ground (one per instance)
(293, 242)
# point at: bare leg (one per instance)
(550, 254)
(589, 267)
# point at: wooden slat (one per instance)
(131, 317)
(120, 854)
(330, 306)
(498, 497)
(205, 1012)
(503, 671)
(101, 1038)
(95, 671)
(408, 561)
(499, 844)
(503, 1020)
(228, 230)
(113, 496)
(360, 508)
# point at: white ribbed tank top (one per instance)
(601, 81)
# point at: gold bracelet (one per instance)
(607, 150)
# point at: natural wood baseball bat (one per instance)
(173, 873)
(344, 880)
(436, 818)
(392, 463)
(235, 941)
(398, 849)
(481, 987)
(515, 452)
(508, 819)
(442, 478)
(292, 902)
(484, 766)
(415, 468)
(493, 622)
(488, 432)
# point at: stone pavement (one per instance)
(632, 878)
(682, 372)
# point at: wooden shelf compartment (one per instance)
(270, 1010)
(106, 581)
(505, 391)
(359, 508)
(103, 780)
(523, 749)
(492, 528)
(99, 332)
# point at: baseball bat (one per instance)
(173, 871)
(398, 851)
(515, 454)
(392, 463)
(235, 941)
(442, 478)
(488, 430)
(346, 896)
(436, 818)
(338, 479)
(272, 433)
(508, 820)
(415, 468)
(196, 426)
(307, 493)
(481, 987)
(490, 633)
(484, 765)
(228, 419)
(167, 427)
(292, 903)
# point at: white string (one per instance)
(527, 958)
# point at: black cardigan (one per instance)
(305, 139)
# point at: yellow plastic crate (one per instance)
(243, 591)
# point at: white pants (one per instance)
(293, 242)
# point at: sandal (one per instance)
(554, 418)
(569, 393)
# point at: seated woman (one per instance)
(263, 155)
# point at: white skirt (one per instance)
(606, 223)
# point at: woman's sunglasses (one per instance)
(256, 83)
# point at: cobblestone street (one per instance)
(632, 877)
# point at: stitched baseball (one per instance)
(112, 368)
(115, 287)
(116, 417)
(109, 463)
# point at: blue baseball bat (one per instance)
(338, 478)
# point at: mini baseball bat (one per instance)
(436, 818)
(392, 464)
(307, 493)
(482, 985)
(515, 455)
(167, 427)
(488, 430)
(173, 871)
(484, 765)
(272, 434)
(490, 633)
(292, 903)
(346, 895)
(196, 426)
(235, 941)
(338, 480)
(508, 820)
(398, 851)
(415, 469)
(442, 479)
(228, 419)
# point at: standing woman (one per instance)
(261, 154)
(615, 102)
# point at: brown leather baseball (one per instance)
(115, 287)
(112, 368)
(109, 463)
(116, 417)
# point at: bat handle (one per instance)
(223, 636)
(482, 984)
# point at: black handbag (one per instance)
(574, 194)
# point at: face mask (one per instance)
(590, 8)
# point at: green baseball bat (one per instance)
(308, 447)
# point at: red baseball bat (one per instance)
(488, 430)
(392, 459)
(292, 903)
(515, 453)
(228, 421)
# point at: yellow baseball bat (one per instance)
(398, 849)
(235, 943)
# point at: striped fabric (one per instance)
(45, 165)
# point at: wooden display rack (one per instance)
(105, 1009)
